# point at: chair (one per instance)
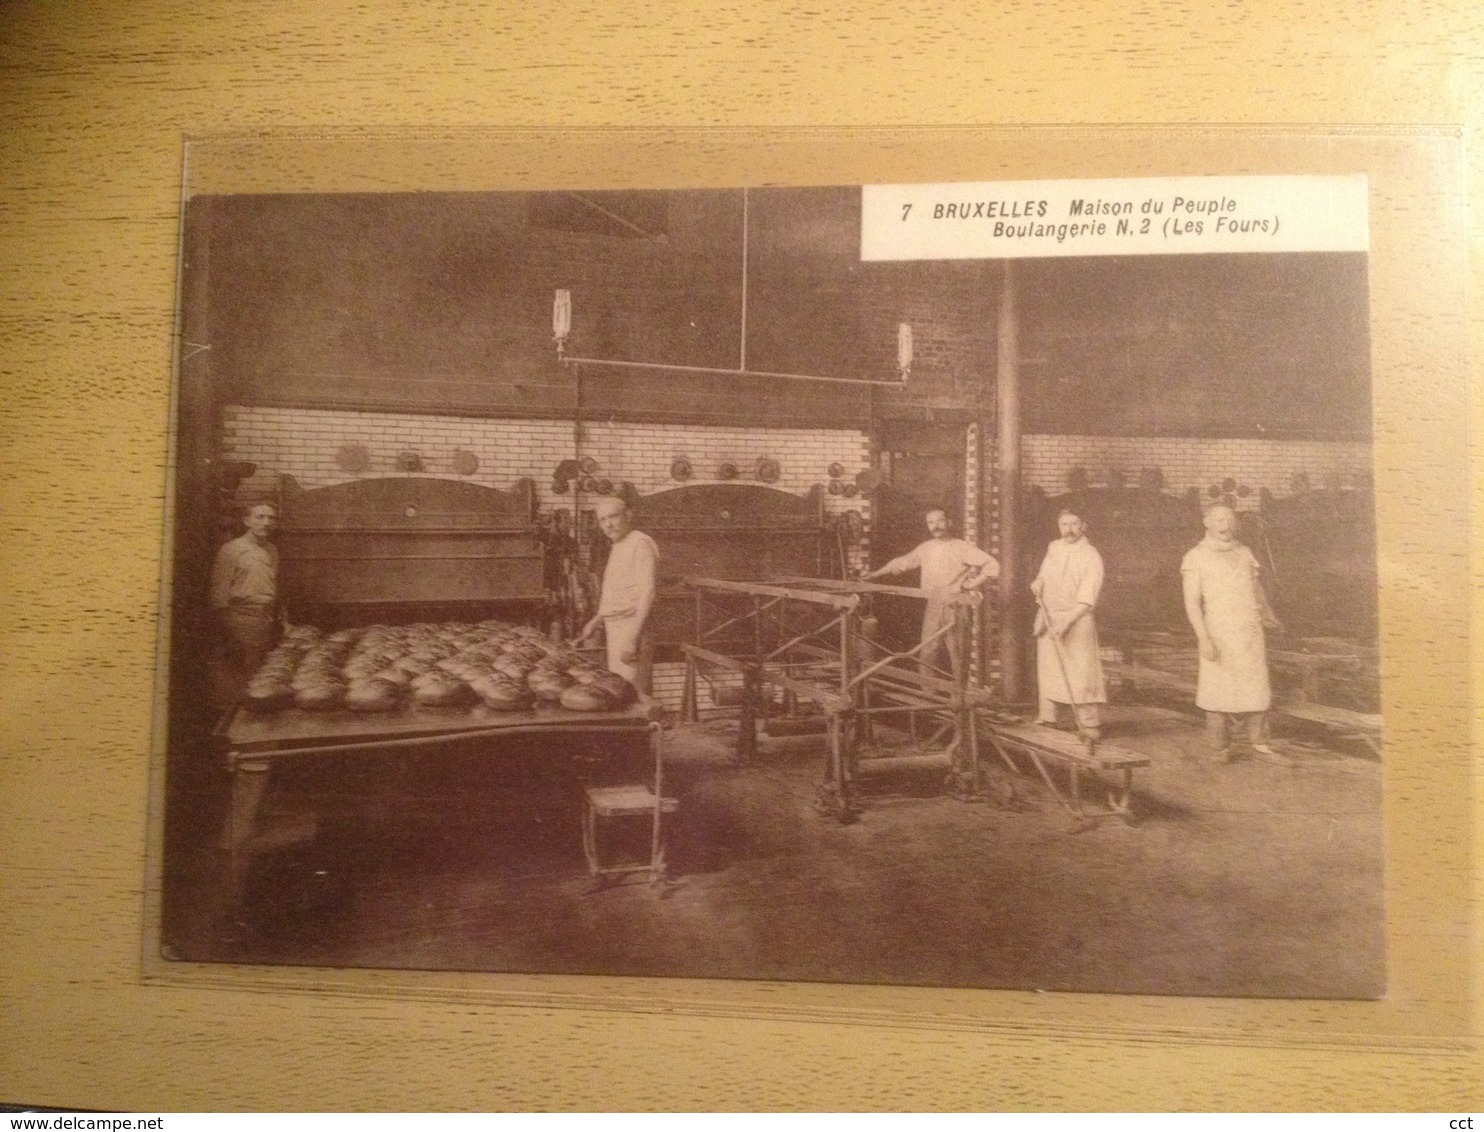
(605, 804)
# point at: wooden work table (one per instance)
(256, 741)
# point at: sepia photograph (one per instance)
(709, 584)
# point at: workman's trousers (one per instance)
(941, 655)
(1089, 717)
(1217, 731)
(252, 631)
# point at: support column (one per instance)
(1012, 636)
(195, 505)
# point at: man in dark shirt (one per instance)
(244, 596)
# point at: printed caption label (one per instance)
(1144, 216)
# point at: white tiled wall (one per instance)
(305, 444)
(643, 453)
(1193, 462)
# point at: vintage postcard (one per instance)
(966, 584)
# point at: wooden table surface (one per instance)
(254, 731)
(98, 97)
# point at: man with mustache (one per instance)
(948, 565)
(1068, 668)
(244, 595)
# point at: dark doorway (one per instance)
(923, 467)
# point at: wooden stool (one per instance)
(630, 800)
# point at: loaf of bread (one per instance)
(319, 695)
(500, 693)
(372, 695)
(588, 697)
(615, 687)
(548, 684)
(512, 666)
(268, 693)
(438, 689)
(380, 667)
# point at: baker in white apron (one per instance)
(1228, 610)
(627, 595)
(1068, 667)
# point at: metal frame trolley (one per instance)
(813, 641)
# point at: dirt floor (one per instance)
(1245, 879)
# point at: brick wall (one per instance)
(952, 309)
(1047, 461)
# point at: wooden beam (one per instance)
(763, 589)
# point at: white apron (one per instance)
(1237, 680)
(1071, 575)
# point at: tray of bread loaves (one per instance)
(386, 668)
